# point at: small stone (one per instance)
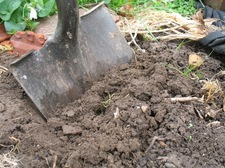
(71, 130)
(117, 113)
(144, 108)
(110, 158)
(162, 144)
(2, 107)
(170, 165)
(69, 113)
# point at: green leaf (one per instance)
(16, 22)
(32, 24)
(47, 8)
(107, 1)
(7, 7)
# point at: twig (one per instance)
(47, 162)
(153, 141)
(185, 99)
(214, 123)
(7, 146)
(199, 114)
(55, 161)
(3, 69)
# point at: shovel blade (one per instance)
(101, 43)
(57, 73)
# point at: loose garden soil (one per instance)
(125, 120)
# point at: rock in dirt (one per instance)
(2, 107)
(71, 130)
(170, 165)
(144, 108)
(69, 113)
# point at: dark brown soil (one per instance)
(124, 120)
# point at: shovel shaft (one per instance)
(68, 19)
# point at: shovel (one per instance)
(80, 50)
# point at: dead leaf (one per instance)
(6, 46)
(126, 10)
(195, 60)
(198, 17)
(212, 113)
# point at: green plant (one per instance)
(188, 70)
(107, 102)
(183, 7)
(21, 14)
(190, 124)
(183, 42)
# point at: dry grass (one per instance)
(2, 69)
(160, 25)
(9, 161)
(212, 90)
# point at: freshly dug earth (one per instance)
(126, 119)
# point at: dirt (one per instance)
(126, 119)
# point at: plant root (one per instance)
(153, 141)
(185, 99)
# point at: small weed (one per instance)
(104, 104)
(189, 70)
(185, 8)
(17, 145)
(107, 102)
(190, 125)
(182, 43)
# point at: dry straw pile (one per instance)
(8, 161)
(161, 25)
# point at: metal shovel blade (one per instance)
(80, 50)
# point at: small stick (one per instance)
(199, 114)
(4, 68)
(214, 123)
(153, 141)
(55, 160)
(185, 99)
(47, 162)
